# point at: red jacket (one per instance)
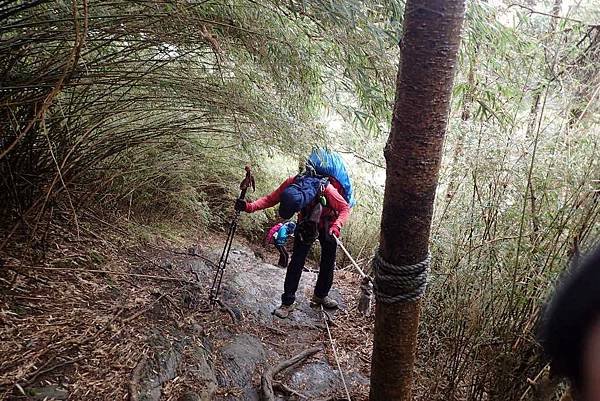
(336, 212)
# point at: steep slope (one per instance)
(134, 321)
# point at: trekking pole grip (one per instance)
(247, 182)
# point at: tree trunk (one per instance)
(413, 153)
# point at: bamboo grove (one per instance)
(149, 108)
(85, 84)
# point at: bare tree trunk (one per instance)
(413, 153)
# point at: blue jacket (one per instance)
(284, 232)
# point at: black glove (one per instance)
(240, 205)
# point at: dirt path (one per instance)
(252, 289)
(78, 334)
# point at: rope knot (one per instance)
(403, 283)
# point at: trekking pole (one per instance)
(362, 273)
(247, 182)
(366, 287)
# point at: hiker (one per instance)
(278, 235)
(323, 212)
(570, 329)
(272, 233)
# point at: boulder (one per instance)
(240, 360)
(48, 393)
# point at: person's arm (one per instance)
(269, 200)
(337, 202)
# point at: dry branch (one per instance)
(41, 371)
(149, 276)
(532, 11)
(146, 309)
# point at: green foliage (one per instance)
(517, 199)
(133, 97)
(153, 109)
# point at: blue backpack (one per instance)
(306, 193)
(284, 232)
(330, 164)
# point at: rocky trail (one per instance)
(146, 332)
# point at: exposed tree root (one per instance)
(226, 308)
(285, 390)
(134, 384)
(266, 381)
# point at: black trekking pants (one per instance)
(294, 270)
(283, 256)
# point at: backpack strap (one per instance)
(321, 194)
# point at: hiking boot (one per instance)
(284, 311)
(327, 302)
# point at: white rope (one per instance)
(337, 361)
(362, 273)
(399, 283)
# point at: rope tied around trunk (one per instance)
(403, 283)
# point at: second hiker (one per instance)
(322, 213)
(278, 236)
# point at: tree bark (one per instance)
(413, 153)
